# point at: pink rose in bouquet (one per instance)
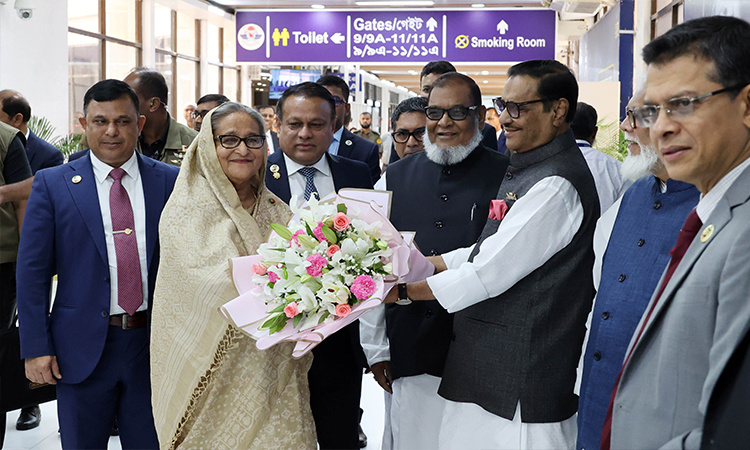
(332, 250)
(341, 222)
(343, 310)
(259, 269)
(291, 310)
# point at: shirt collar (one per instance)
(582, 143)
(337, 135)
(708, 202)
(102, 169)
(293, 167)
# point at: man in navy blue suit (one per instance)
(344, 142)
(16, 112)
(90, 223)
(306, 117)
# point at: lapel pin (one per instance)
(511, 196)
(707, 233)
(276, 175)
(275, 169)
(271, 201)
(348, 142)
(76, 179)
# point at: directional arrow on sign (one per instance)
(502, 26)
(432, 24)
(338, 38)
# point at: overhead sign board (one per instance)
(396, 36)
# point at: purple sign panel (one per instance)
(402, 36)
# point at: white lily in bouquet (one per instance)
(332, 262)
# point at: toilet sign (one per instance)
(395, 36)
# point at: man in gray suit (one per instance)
(697, 105)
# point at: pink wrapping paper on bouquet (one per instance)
(250, 310)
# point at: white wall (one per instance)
(34, 58)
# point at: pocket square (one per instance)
(498, 209)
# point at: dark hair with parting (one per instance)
(208, 98)
(412, 104)
(440, 67)
(266, 107)
(723, 40)
(584, 123)
(110, 90)
(556, 81)
(151, 83)
(455, 77)
(15, 103)
(306, 90)
(335, 81)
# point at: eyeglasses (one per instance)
(201, 114)
(677, 108)
(402, 136)
(631, 117)
(230, 141)
(458, 112)
(338, 101)
(514, 108)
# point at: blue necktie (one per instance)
(309, 174)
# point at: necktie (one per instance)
(309, 174)
(689, 229)
(129, 283)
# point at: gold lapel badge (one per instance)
(275, 170)
(348, 142)
(76, 179)
(707, 233)
(511, 196)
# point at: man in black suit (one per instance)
(306, 121)
(16, 112)
(344, 142)
(272, 138)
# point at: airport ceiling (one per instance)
(491, 78)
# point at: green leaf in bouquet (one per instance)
(323, 317)
(279, 325)
(378, 266)
(305, 278)
(329, 234)
(282, 231)
(309, 230)
(279, 308)
(297, 320)
(341, 208)
(284, 273)
(307, 241)
(353, 300)
(271, 285)
(268, 324)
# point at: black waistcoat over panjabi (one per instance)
(524, 344)
(447, 207)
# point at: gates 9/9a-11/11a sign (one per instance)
(400, 36)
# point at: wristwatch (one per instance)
(403, 297)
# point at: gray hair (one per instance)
(228, 108)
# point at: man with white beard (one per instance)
(632, 244)
(443, 194)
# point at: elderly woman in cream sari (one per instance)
(212, 388)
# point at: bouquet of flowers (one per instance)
(334, 261)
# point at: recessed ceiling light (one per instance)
(485, 72)
(317, 6)
(477, 5)
(397, 3)
(485, 81)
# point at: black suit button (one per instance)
(657, 204)
(508, 176)
(444, 198)
(605, 315)
(428, 314)
(621, 278)
(106, 280)
(446, 171)
(105, 313)
(641, 242)
(438, 224)
(597, 356)
(433, 252)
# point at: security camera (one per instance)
(25, 9)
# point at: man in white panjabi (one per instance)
(522, 293)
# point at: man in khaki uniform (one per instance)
(366, 131)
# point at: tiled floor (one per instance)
(45, 437)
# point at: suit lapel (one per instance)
(154, 196)
(339, 175)
(280, 185)
(81, 184)
(345, 149)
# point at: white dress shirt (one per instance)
(269, 142)
(708, 202)
(610, 185)
(333, 149)
(323, 178)
(134, 187)
(540, 224)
